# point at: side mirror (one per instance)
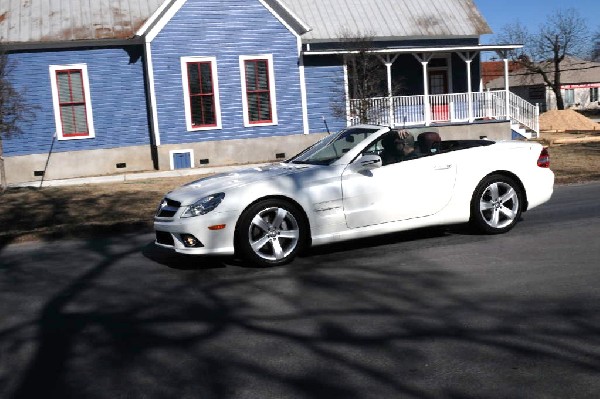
(367, 162)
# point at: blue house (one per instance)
(167, 84)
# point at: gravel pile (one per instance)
(566, 120)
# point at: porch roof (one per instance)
(337, 20)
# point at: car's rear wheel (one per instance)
(496, 205)
(271, 232)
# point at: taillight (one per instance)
(544, 158)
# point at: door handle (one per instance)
(442, 167)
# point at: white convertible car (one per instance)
(340, 189)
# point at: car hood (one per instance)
(223, 182)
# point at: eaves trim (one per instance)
(294, 23)
(160, 19)
(51, 45)
(440, 49)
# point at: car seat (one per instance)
(428, 143)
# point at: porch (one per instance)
(451, 94)
(426, 110)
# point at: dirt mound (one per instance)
(566, 120)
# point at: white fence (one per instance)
(456, 107)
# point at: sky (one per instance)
(532, 13)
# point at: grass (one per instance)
(575, 163)
(106, 209)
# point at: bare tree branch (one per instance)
(564, 33)
(367, 78)
(12, 111)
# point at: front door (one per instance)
(400, 191)
(438, 84)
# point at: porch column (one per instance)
(388, 61)
(506, 88)
(424, 59)
(504, 56)
(468, 58)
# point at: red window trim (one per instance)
(259, 91)
(211, 94)
(72, 103)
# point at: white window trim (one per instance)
(594, 98)
(569, 97)
(56, 104)
(173, 152)
(186, 92)
(273, 97)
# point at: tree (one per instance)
(12, 110)
(564, 33)
(596, 50)
(367, 79)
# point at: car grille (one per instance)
(162, 237)
(167, 208)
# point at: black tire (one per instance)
(496, 205)
(271, 232)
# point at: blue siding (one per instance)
(117, 95)
(225, 29)
(324, 78)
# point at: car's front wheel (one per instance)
(496, 205)
(271, 232)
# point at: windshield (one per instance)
(333, 147)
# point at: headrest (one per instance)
(431, 137)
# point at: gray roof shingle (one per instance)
(35, 21)
(30, 21)
(388, 19)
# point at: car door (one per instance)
(400, 191)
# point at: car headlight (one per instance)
(203, 205)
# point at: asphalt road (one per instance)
(438, 313)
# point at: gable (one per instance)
(225, 33)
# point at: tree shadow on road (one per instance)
(178, 261)
(123, 325)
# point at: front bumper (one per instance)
(171, 233)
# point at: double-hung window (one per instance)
(569, 96)
(71, 101)
(201, 93)
(258, 90)
(593, 94)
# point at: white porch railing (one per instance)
(456, 107)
